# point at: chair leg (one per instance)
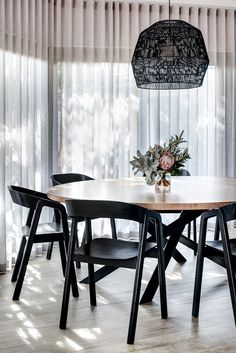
(229, 265)
(69, 275)
(189, 230)
(217, 231)
(73, 280)
(232, 287)
(161, 271)
(49, 251)
(92, 287)
(197, 285)
(65, 298)
(137, 287)
(77, 263)
(63, 256)
(113, 228)
(69, 280)
(199, 269)
(195, 234)
(135, 303)
(18, 259)
(22, 270)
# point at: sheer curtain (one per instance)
(24, 123)
(69, 102)
(101, 115)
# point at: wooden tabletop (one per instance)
(187, 193)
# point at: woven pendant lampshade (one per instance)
(170, 54)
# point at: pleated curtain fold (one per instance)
(68, 99)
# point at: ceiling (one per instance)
(210, 3)
(213, 3)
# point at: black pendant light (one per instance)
(170, 54)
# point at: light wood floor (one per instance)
(31, 325)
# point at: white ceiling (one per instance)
(213, 3)
(210, 3)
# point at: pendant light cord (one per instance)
(169, 10)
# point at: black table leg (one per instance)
(174, 231)
(154, 281)
(179, 257)
(99, 274)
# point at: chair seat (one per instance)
(217, 245)
(102, 250)
(51, 230)
(44, 228)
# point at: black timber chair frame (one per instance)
(64, 178)
(114, 252)
(35, 232)
(222, 252)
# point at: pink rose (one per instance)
(166, 161)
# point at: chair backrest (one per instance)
(105, 209)
(25, 197)
(223, 215)
(179, 172)
(58, 179)
(228, 212)
(182, 172)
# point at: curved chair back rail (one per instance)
(105, 209)
(26, 197)
(64, 178)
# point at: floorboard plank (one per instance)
(31, 324)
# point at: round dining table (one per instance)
(189, 196)
(187, 192)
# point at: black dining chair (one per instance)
(222, 252)
(35, 232)
(64, 178)
(114, 252)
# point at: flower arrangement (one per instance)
(168, 158)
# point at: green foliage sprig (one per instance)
(168, 158)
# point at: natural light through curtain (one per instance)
(68, 100)
(98, 119)
(104, 118)
(24, 145)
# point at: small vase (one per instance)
(163, 182)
